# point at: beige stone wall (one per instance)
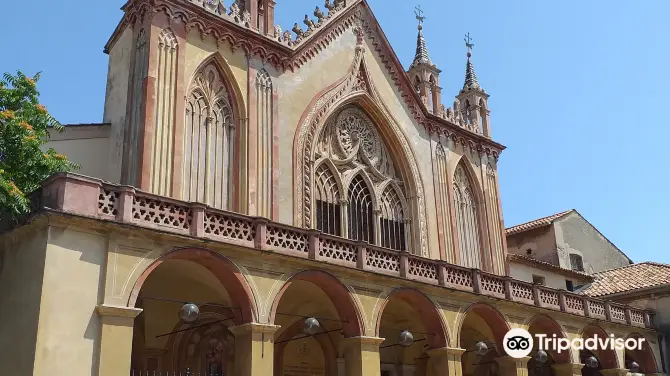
(296, 91)
(21, 283)
(88, 146)
(87, 264)
(69, 327)
(554, 280)
(116, 98)
(541, 242)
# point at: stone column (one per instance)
(361, 356)
(341, 370)
(254, 349)
(116, 339)
(508, 366)
(614, 372)
(568, 369)
(407, 370)
(445, 361)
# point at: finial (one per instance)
(419, 15)
(470, 76)
(468, 43)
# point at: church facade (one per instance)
(273, 202)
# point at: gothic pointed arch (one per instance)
(468, 220)
(354, 127)
(329, 193)
(211, 141)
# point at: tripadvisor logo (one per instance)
(518, 343)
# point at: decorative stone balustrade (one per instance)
(78, 195)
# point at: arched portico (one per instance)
(163, 341)
(606, 358)
(549, 328)
(405, 311)
(309, 295)
(481, 332)
(642, 356)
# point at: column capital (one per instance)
(615, 372)
(510, 366)
(118, 311)
(253, 327)
(376, 341)
(568, 369)
(445, 351)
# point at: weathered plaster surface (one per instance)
(21, 281)
(575, 235)
(116, 97)
(69, 326)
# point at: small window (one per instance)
(576, 262)
(569, 286)
(538, 280)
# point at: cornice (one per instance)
(290, 55)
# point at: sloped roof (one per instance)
(629, 278)
(537, 223)
(522, 259)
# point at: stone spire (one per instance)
(421, 55)
(471, 105)
(470, 75)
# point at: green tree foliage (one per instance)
(24, 128)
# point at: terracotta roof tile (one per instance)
(522, 259)
(546, 221)
(628, 278)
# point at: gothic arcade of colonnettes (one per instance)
(269, 202)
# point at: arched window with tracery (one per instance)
(328, 215)
(361, 220)
(351, 144)
(392, 221)
(209, 135)
(467, 223)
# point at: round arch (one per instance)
(607, 357)
(325, 342)
(547, 325)
(221, 267)
(427, 313)
(496, 321)
(325, 104)
(644, 356)
(347, 310)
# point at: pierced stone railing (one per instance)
(92, 198)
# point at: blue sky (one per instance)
(579, 93)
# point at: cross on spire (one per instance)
(468, 42)
(419, 14)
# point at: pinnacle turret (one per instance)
(421, 55)
(470, 75)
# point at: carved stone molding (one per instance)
(310, 127)
(291, 56)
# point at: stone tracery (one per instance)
(209, 139)
(375, 198)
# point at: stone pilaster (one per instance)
(361, 356)
(508, 366)
(116, 339)
(445, 358)
(568, 369)
(254, 349)
(614, 372)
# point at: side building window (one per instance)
(357, 192)
(576, 262)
